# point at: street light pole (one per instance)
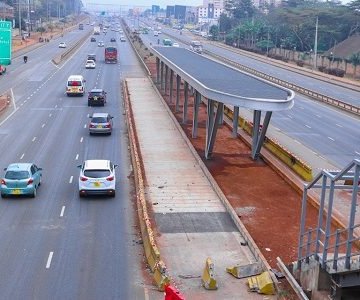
(315, 44)
(20, 31)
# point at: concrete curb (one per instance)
(152, 252)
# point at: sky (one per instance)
(161, 3)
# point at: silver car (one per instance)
(101, 123)
(97, 177)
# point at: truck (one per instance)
(196, 47)
(96, 30)
(110, 55)
(81, 26)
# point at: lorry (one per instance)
(96, 30)
(110, 55)
(196, 46)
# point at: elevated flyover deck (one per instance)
(223, 84)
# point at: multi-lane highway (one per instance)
(331, 133)
(58, 246)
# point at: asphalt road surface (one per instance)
(329, 132)
(58, 246)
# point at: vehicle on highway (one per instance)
(122, 39)
(112, 40)
(101, 123)
(93, 39)
(75, 85)
(90, 64)
(81, 26)
(110, 55)
(96, 30)
(21, 179)
(101, 44)
(97, 97)
(91, 56)
(97, 177)
(156, 33)
(175, 44)
(167, 42)
(62, 45)
(196, 46)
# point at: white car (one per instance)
(122, 39)
(62, 45)
(97, 177)
(101, 44)
(90, 64)
(175, 45)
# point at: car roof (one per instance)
(96, 164)
(100, 115)
(96, 90)
(75, 77)
(19, 167)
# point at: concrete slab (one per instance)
(191, 222)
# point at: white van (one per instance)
(75, 85)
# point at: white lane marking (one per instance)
(88, 115)
(77, 157)
(338, 125)
(290, 117)
(358, 153)
(81, 140)
(43, 125)
(22, 156)
(50, 115)
(330, 138)
(34, 138)
(48, 263)
(307, 126)
(71, 179)
(85, 126)
(301, 107)
(21, 104)
(318, 116)
(25, 101)
(56, 106)
(62, 211)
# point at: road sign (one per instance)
(5, 42)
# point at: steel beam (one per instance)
(162, 76)
(255, 131)
(261, 138)
(166, 78)
(197, 100)
(178, 83)
(171, 85)
(235, 121)
(212, 126)
(157, 70)
(186, 99)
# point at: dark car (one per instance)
(97, 97)
(93, 39)
(91, 57)
(112, 40)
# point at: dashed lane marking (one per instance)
(62, 211)
(48, 263)
(71, 179)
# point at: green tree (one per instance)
(214, 32)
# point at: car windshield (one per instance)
(98, 120)
(17, 175)
(96, 173)
(90, 62)
(95, 94)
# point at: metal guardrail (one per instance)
(73, 47)
(314, 95)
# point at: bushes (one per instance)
(336, 72)
(300, 63)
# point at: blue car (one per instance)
(20, 179)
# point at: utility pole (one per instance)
(28, 16)
(20, 31)
(315, 44)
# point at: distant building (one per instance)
(180, 12)
(155, 9)
(191, 15)
(217, 3)
(208, 13)
(170, 11)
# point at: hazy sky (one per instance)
(148, 3)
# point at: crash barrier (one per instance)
(152, 252)
(172, 293)
(293, 162)
(317, 96)
(58, 59)
(262, 284)
(208, 277)
(245, 271)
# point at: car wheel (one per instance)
(113, 195)
(33, 195)
(81, 195)
(40, 181)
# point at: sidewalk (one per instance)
(191, 221)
